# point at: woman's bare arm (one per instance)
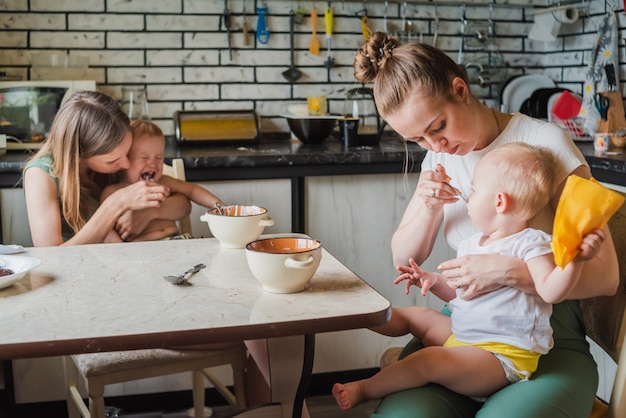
(419, 226)
(132, 223)
(44, 213)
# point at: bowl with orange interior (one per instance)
(284, 264)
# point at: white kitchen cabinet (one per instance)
(274, 195)
(15, 229)
(354, 216)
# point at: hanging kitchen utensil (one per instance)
(328, 20)
(435, 28)
(292, 74)
(244, 26)
(609, 69)
(225, 21)
(385, 26)
(365, 29)
(262, 32)
(459, 59)
(403, 9)
(300, 13)
(314, 46)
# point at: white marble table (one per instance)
(109, 297)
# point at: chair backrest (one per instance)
(605, 318)
(177, 170)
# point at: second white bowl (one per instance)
(284, 265)
(236, 225)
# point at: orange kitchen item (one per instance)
(216, 126)
(583, 206)
(314, 46)
(365, 29)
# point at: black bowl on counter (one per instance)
(312, 129)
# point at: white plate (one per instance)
(19, 264)
(521, 88)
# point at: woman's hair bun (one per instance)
(373, 55)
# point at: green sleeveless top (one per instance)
(45, 163)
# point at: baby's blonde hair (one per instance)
(527, 173)
(145, 127)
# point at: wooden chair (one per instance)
(97, 370)
(605, 324)
(177, 170)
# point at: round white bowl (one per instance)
(284, 265)
(20, 265)
(298, 109)
(236, 225)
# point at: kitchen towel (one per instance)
(583, 206)
(604, 52)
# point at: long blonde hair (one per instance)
(88, 124)
(397, 70)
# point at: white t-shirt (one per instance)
(521, 128)
(506, 315)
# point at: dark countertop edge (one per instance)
(288, 159)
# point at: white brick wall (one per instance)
(179, 51)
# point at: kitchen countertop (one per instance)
(290, 158)
(283, 158)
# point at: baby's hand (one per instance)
(591, 244)
(414, 276)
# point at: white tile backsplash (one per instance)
(179, 49)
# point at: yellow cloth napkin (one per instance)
(583, 206)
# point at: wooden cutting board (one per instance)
(615, 115)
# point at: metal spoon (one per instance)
(459, 193)
(218, 206)
(182, 279)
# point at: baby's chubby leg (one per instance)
(467, 370)
(426, 324)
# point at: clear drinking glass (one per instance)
(135, 102)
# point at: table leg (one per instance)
(291, 366)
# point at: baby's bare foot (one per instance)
(348, 395)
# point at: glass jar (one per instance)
(135, 102)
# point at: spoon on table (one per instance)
(182, 279)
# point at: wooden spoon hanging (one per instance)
(314, 46)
